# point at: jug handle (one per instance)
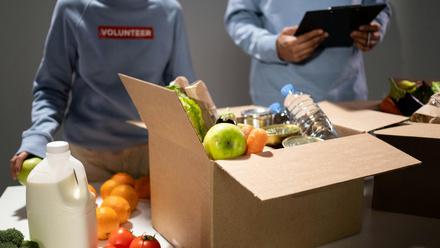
(82, 183)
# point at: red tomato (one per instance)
(109, 246)
(145, 241)
(121, 238)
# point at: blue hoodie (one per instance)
(77, 84)
(334, 74)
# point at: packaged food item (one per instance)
(257, 117)
(60, 207)
(200, 94)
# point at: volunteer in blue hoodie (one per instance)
(266, 29)
(77, 85)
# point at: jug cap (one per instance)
(57, 147)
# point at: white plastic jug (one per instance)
(60, 207)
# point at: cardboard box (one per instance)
(414, 190)
(358, 117)
(302, 196)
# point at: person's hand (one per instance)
(367, 36)
(296, 49)
(17, 162)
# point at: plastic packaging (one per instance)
(279, 116)
(60, 207)
(305, 113)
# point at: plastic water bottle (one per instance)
(305, 113)
(60, 207)
(279, 116)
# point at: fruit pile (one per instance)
(120, 196)
(408, 96)
(228, 140)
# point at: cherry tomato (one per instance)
(121, 238)
(145, 241)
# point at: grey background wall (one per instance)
(411, 49)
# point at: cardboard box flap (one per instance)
(418, 130)
(289, 171)
(163, 113)
(361, 120)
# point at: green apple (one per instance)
(26, 168)
(224, 140)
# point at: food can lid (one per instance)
(299, 140)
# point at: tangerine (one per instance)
(93, 190)
(124, 178)
(107, 220)
(247, 130)
(256, 141)
(128, 193)
(120, 205)
(142, 187)
(107, 187)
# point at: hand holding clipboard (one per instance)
(339, 22)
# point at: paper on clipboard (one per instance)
(339, 22)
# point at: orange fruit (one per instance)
(120, 205)
(124, 178)
(107, 220)
(93, 190)
(247, 130)
(142, 187)
(107, 187)
(128, 193)
(256, 141)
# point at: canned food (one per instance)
(277, 133)
(299, 140)
(257, 117)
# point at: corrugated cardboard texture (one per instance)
(294, 170)
(414, 190)
(357, 120)
(180, 193)
(303, 220)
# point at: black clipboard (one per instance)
(339, 22)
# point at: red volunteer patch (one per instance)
(112, 32)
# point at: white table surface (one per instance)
(380, 229)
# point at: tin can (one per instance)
(257, 117)
(299, 140)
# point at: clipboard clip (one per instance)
(357, 7)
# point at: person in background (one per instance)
(266, 31)
(77, 84)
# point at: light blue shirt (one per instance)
(88, 44)
(333, 74)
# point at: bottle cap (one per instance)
(275, 107)
(287, 89)
(57, 147)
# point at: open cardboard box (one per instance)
(302, 196)
(358, 117)
(413, 190)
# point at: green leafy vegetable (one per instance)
(193, 111)
(435, 87)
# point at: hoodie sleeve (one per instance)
(383, 18)
(52, 84)
(243, 24)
